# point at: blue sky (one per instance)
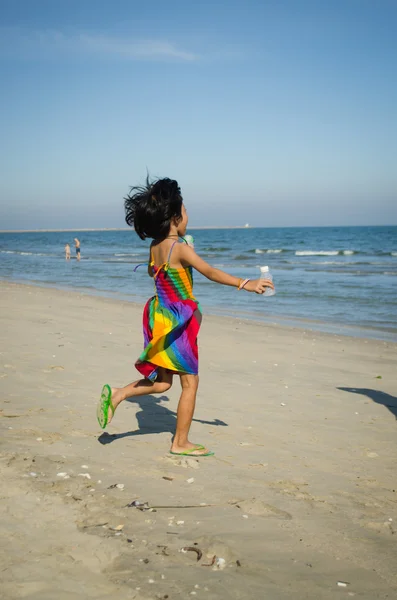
(275, 113)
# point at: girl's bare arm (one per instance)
(188, 257)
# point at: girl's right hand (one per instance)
(258, 285)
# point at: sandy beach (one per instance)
(299, 502)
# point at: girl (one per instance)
(172, 317)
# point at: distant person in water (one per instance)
(77, 246)
(67, 251)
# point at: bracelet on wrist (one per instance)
(243, 282)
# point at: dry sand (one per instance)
(301, 495)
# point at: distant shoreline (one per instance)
(114, 229)
(204, 227)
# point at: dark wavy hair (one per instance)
(151, 208)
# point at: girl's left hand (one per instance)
(259, 285)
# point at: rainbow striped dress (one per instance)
(171, 322)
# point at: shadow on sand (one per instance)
(152, 418)
(379, 397)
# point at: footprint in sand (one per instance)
(292, 488)
(33, 434)
(42, 466)
(186, 463)
(381, 527)
(257, 507)
(211, 546)
(49, 438)
(72, 487)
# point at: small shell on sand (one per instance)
(220, 564)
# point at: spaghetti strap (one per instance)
(169, 256)
(165, 265)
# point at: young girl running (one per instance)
(172, 317)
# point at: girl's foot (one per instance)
(116, 399)
(190, 449)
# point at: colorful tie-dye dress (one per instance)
(171, 322)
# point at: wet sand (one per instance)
(301, 495)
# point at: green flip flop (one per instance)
(105, 402)
(190, 452)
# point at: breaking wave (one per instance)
(324, 252)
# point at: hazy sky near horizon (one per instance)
(272, 112)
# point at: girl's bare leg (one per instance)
(187, 403)
(142, 387)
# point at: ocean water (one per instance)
(341, 279)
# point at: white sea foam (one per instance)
(17, 252)
(348, 252)
(269, 251)
(316, 252)
(393, 253)
(127, 254)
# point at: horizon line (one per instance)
(202, 227)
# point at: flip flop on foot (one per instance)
(105, 402)
(191, 452)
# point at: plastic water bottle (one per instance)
(265, 274)
(189, 239)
